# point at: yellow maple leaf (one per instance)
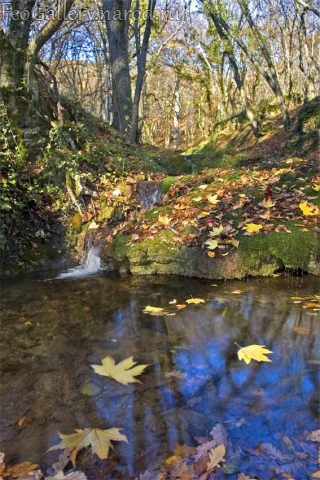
(267, 203)
(203, 214)
(100, 441)
(316, 187)
(197, 199)
(122, 372)
(216, 231)
(164, 219)
(196, 301)
(211, 244)
(308, 209)
(252, 227)
(213, 199)
(255, 352)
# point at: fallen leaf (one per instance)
(235, 243)
(176, 374)
(308, 209)
(243, 476)
(252, 227)
(150, 309)
(267, 203)
(211, 254)
(314, 436)
(302, 330)
(20, 470)
(70, 476)
(23, 420)
(216, 456)
(164, 219)
(213, 199)
(255, 352)
(237, 292)
(316, 474)
(122, 372)
(220, 435)
(211, 244)
(195, 301)
(216, 231)
(100, 440)
(181, 307)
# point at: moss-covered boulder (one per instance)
(260, 255)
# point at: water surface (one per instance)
(52, 331)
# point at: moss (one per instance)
(167, 182)
(292, 250)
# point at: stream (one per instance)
(54, 329)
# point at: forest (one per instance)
(159, 239)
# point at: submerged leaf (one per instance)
(19, 470)
(255, 352)
(120, 372)
(100, 440)
(216, 456)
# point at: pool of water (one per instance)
(54, 330)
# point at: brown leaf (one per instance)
(23, 420)
(216, 456)
(20, 470)
(302, 330)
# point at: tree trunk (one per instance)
(141, 66)
(117, 21)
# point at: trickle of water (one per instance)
(90, 265)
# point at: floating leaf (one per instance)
(255, 352)
(100, 440)
(122, 372)
(195, 301)
(252, 227)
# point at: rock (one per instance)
(260, 255)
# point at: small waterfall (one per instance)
(89, 265)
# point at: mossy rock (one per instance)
(260, 255)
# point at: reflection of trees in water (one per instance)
(162, 411)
